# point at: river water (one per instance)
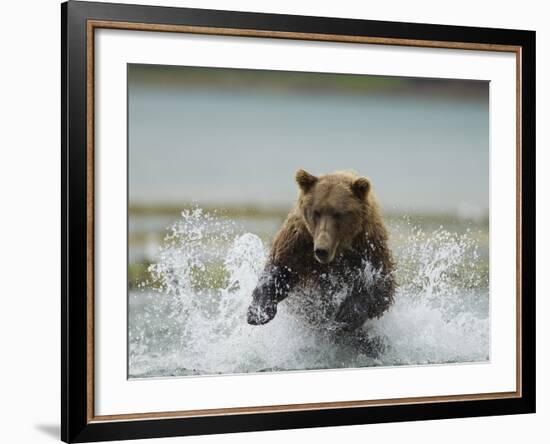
(190, 317)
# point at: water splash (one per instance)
(191, 317)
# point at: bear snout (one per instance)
(324, 252)
(321, 254)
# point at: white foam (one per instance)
(192, 318)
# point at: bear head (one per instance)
(334, 209)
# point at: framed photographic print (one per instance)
(275, 221)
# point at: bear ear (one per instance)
(360, 187)
(305, 180)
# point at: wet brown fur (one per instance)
(338, 210)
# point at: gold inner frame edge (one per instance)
(105, 24)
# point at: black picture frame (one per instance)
(76, 423)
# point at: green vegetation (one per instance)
(138, 273)
(254, 212)
(267, 222)
(236, 81)
(249, 212)
(232, 79)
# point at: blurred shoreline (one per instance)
(254, 211)
(165, 77)
(150, 224)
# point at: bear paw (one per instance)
(259, 314)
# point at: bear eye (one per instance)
(337, 216)
(316, 214)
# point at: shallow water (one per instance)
(190, 319)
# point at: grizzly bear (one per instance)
(334, 240)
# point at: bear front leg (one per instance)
(365, 301)
(273, 286)
(353, 312)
